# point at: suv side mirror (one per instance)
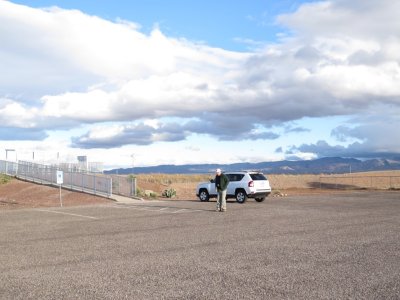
(212, 180)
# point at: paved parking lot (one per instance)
(339, 246)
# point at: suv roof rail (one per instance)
(243, 171)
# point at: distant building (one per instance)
(83, 165)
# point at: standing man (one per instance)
(221, 184)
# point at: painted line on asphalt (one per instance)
(180, 210)
(150, 208)
(187, 210)
(68, 214)
(168, 210)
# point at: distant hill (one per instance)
(327, 165)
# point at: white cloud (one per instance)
(360, 19)
(14, 114)
(63, 68)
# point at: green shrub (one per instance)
(4, 179)
(139, 192)
(169, 193)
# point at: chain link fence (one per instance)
(91, 183)
(360, 182)
(124, 185)
(8, 168)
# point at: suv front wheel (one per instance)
(204, 196)
(241, 196)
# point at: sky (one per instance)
(145, 83)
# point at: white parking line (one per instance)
(69, 214)
(180, 210)
(168, 210)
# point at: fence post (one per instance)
(133, 186)
(110, 189)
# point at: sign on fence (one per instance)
(69, 178)
(60, 177)
(60, 181)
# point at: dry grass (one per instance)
(366, 180)
(167, 179)
(4, 179)
(185, 184)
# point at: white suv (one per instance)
(242, 185)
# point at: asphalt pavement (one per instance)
(338, 246)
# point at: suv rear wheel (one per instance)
(260, 199)
(203, 195)
(241, 196)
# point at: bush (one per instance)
(4, 179)
(169, 193)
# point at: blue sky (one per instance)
(221, 23)
(148, 83)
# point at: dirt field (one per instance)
(282, 185)
(19, 194)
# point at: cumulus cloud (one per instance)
(372, 135)
(62, 68)
(145, 133)
(12, 134)
(119, 135)
(357, 150)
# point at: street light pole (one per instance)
(9, 150)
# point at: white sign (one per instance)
(60, 177)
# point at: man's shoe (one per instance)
(223, 210)
(217, 209)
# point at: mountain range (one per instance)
(327, 165)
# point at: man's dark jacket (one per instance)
(223, 182)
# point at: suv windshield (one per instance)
(258, 176)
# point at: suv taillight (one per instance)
(251, 183)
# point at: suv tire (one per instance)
(241, 196)
(260, 199)
(204, 196)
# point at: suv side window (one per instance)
(258, 176)
(235, 177)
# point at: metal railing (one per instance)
(124, 185)
(360, 182)
(91, 183)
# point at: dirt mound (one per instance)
(21, 194)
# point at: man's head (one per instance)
(218, 172)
